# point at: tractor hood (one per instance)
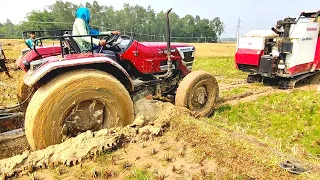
(163, 45)
(177, 49)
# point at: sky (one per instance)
(254, 14)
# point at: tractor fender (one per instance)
(52, 69)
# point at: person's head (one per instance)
(32, 35)
(84, 14)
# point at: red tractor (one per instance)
(76, 91)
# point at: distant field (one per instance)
(204, 50)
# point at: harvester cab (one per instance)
(74, 90)
(286, 54)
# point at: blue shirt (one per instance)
(31, 43)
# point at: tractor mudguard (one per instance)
(50, 68)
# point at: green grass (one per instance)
(219, 66)
(287, 118)
(139, 174)
(234, 91)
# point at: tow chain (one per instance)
(13, 112)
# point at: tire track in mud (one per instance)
(13, 143)
(248, 96)
(152, 120)
(234, 84)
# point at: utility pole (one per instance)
(238, 31)
(238, 28)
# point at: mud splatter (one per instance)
(90, 144)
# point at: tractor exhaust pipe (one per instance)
(168, 39)
(168, 36)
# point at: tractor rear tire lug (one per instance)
(44, 124)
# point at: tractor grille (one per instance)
(187, 55)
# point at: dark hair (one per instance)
(32, 32)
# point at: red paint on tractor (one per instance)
(147, 56)
(54, 62)
(248, 56)
(44, 51)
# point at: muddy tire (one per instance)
(198, 92)
(316, 79)
(23, 92)
(52, 104)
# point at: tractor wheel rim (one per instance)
(84, 116)
(200, 97)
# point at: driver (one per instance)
(31, 41)
(81, 27)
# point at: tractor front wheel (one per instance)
(76, 102)
(198, 92)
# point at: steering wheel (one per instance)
(125, 37)
(112, 38)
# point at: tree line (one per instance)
(147, 24)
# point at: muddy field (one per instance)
(160, 146)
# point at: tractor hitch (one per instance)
(11, 121)
(4, 116)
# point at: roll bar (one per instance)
(61, 38)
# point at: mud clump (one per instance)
(152, 119)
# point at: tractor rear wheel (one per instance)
(198, 92)
(76, 102)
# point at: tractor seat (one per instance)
(70, 45)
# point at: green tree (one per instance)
(149, 25)
(63, 12)
(217, 26)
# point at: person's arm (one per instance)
(106, 32)
(37, 43)
(110, 32)
(81, 26)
